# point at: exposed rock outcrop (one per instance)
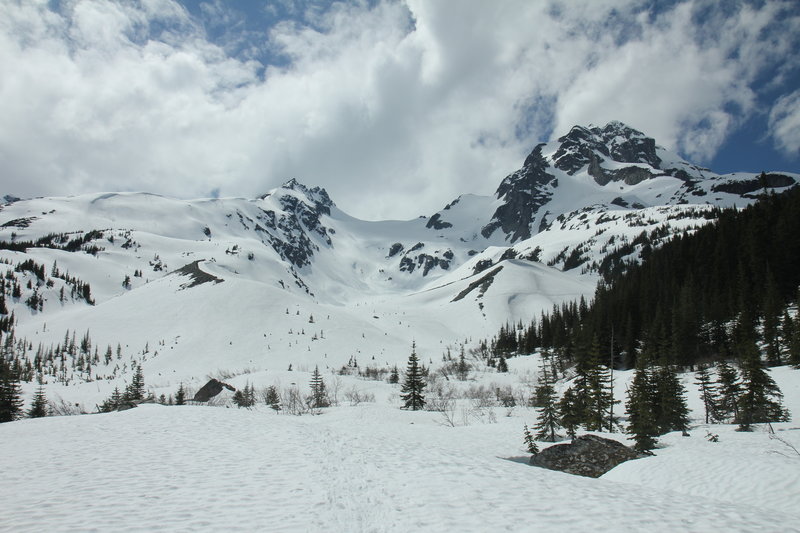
(586, 455)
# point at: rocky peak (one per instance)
(523, 192)
(615, 141)
(316, 197)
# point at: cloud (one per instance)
(784, 123)
(394, 107)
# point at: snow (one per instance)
(375, 467)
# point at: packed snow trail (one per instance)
(365, 468)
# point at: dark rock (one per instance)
(395, 249)
(587, 455)
(523, 193)
(436, 222)
(742, 187)
(211, 389)
(632, 175)
(482, 265)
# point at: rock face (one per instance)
(211, 389)
(587, 455)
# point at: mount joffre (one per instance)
(298, 281)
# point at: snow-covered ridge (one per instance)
(117, 264)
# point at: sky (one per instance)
(395, 107)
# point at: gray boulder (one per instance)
(587, 455)
(211, 389)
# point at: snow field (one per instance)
(374, 467)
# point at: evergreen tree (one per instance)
(599, 397)
(414, 384)
(135, 390)
(760, 400)
(730, 390)
(502, 366)
(672, 413)
(39, 405)
(570, 410)
(10, 393)
(319, 395)
(180, 396)
(530, 444)
(394, 376)
(641, 418)
(462, 367)
(272, 398)
(547, 421)
(708, 393)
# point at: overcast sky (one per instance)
(395, 107)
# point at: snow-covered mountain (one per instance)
(190, 287)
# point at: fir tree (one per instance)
(180, 396)
(135, 390)
(462, 367)
(39, 405)
(708, 393)
(394, 376)
(760, 400)
(319, 395)
(570, 410)
(672, 413)
(548, 418)
(502, 366)
(641, 419)
(272, 398)
(530, 445)
(10, 393)
(730, 390)
(414, 384)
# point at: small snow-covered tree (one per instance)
(642, 424)
(708, 393)
(180, 396)
(530, 444)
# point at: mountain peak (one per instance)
(316, 196)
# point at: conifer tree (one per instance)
(394, 376)
(272, 398)
(641, 419)
(570, 410)
(319, 395)
(414, 383)
(760, 399)
(672, 413)
(10, 393)
(730, 390)
(502, 366)
(547, 421)
(708, 393)
(39, 405)
(462, 367)
(135, 390)
(180, 396)
(530, 444)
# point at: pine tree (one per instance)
(502, 366)
(10, 393)
(39, 405)
(319, 395)
(180, 396)
(708, 393)
(730, 390)
(548, 418)
(530, 445)
(570, 410)
(672, 413)
(272, 398)
(760, 400)
(414, 384)
(135, 390)
(462, 367)
(394, 376)
(641, 418)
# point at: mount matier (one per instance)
(187, 287)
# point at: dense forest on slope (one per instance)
(707, 294)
